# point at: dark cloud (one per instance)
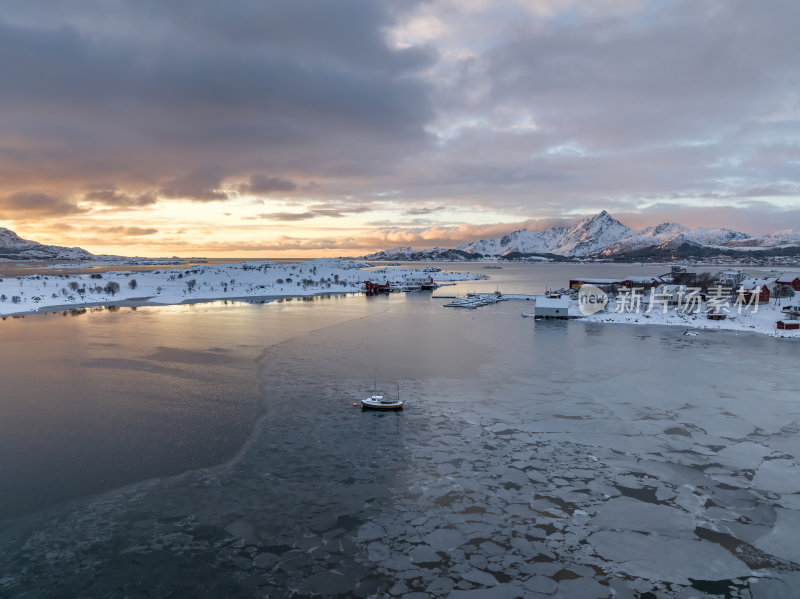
(153, 94)
(126, 231)
(336, 210)
(61, 227)
(287, 216)
(537, 113)
(200, 186)
(424, 210)
(24, 204)
(112, 197)
(331, 211)
(262, 184)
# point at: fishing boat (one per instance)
(381, 403)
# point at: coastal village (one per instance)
(730, 299)
(679, 297)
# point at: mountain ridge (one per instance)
(13, 248)
(602, 237)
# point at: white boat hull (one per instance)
(378, 402)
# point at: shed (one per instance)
(791, 325)
(552, 307)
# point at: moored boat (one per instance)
(382, 403)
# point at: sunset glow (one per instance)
(292, 129)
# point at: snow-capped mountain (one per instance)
(13, 247)
(585, 237)
(604, 237)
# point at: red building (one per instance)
(791, 280)
(788, 326)
(760, 287)
(371, 287)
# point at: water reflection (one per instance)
(565, 460)
(95, 398)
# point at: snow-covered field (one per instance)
(761, 321)
(201, 283)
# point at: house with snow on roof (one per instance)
(552, 307)
(760, 287)
(792, 280)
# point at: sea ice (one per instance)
(667, 558)
(782, 540)
(624, 513)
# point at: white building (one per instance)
(552, 307)
(730, 278)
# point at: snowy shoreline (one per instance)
(246, 281)
(762, 321)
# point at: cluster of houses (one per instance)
(678, 281)
(674, 287)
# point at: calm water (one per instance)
(533, 459)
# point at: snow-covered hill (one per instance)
(13, 247)
(603, 236)
(780, 239)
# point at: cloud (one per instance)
(199, 186)
(61, 227)
(330, 210)
(111, 197)
(126, 231)
(26, 204)
(424, 210)
(151, 95)
(753, 217)
(287, 216)
(538, 109)
(262, 184)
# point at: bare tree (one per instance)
(782, 291)
(112, 288)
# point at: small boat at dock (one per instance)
(463, 303)
(476, 300)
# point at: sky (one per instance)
(338, 127)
